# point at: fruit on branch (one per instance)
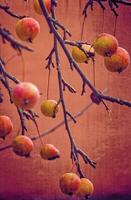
(49, 108)
(69, 183)
(6, 126)
(25, 95)
(85, 189)
(49, 152)
(27, 29)
(80, 56)
(38, 9)
(22, 145)
(119, 61)
(105, 44)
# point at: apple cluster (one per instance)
(25, 95)
(71, 184)
(116, 58)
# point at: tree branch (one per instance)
(6, 9)
(7, 36)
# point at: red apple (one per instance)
(69, 183)
(6, 126)
(22, 145)
(119, 61)
(49, 152)
(105, 44)
(37, 7)
(85, 189)
(25, 95)
(27, 29)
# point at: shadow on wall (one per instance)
(37, 197)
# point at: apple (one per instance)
(38, 9)
(79, 56)
(22, 145)
(49, 108)
(6, 126)
(25, 95)
(119, 61)
(105, 44)
(49, 152)
(85, 189)
(27, 29)
(69, 183)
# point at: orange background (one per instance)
(106, 140)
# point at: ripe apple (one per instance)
(49, 152)
(119, 61)
(105, 44)
(27, 29)
(22, 145)
(85, 189)
(37, 7)
(25, 95)
(69, 183)
(79, 56)
(6, 126)
(49, 108)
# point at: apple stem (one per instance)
(82, 29)
(103, 19)
(23, 67)
(94, 74)
(37, 127)
(116, 17)
(11, 58)
(48, 83)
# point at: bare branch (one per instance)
(57, 24)
(74, 149)
(6, 9)
(68, 86)
(111, 3)
(69, 114)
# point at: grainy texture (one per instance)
(106, 139)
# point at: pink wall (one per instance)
(106, 140)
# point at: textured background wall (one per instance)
(106, 140)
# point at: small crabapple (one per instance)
(49, 108)
(105, 44)
(79, 56)
(25, 95)
(85, 189)
(119, 61)
(6, 126)
(22, 145)
(27, 29)
(38, 9)
(49, 152)
(69, 183)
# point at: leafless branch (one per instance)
(7, 9)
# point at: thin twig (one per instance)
(7, 9)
